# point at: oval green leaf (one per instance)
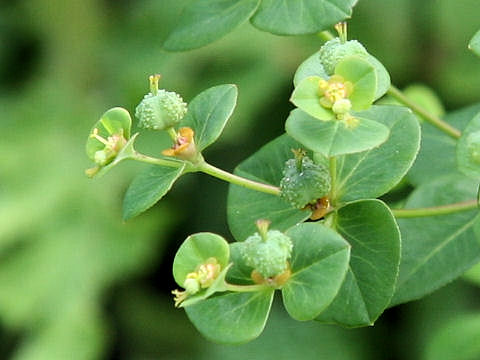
(371, 230)
(319, 264)
(286, 17)
(437, 249)
(468, 149)
(232, 318)
(374, 172)
(246, 206)
(149, 187)
(203, 22)
(113, 121)
(333, 138)
(209, 112)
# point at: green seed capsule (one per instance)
(334, 50)
(304, 182)
(267, 254)
(160, 111)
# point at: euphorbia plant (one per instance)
(303, 209)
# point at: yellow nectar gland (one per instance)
(335, 90)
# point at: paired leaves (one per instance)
(207, 115)
(437, 249)
(204, 21)
(284, 17)
(319, 263)
(371, 230)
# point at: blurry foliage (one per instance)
(76, 282)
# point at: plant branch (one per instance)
(432, 119)
(237, 180)
(333, 176)
(156, 161)
(436, 210)
(326, 35)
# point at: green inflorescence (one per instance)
(267, 254)
(160, 111)
(334, 50)
(304, 182)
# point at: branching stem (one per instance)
(432, 119)
(436, 210)
(333, 176)
(237, 180)
(211, 170)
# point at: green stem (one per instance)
(156, 161)
(325, 35)
(237, 180)
(246, 288)
(432, 119)
(173, 134)
(436, 210)
(333, 176)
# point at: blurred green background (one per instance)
(78, 283)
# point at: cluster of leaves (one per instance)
(358, 260)
(203, 22)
